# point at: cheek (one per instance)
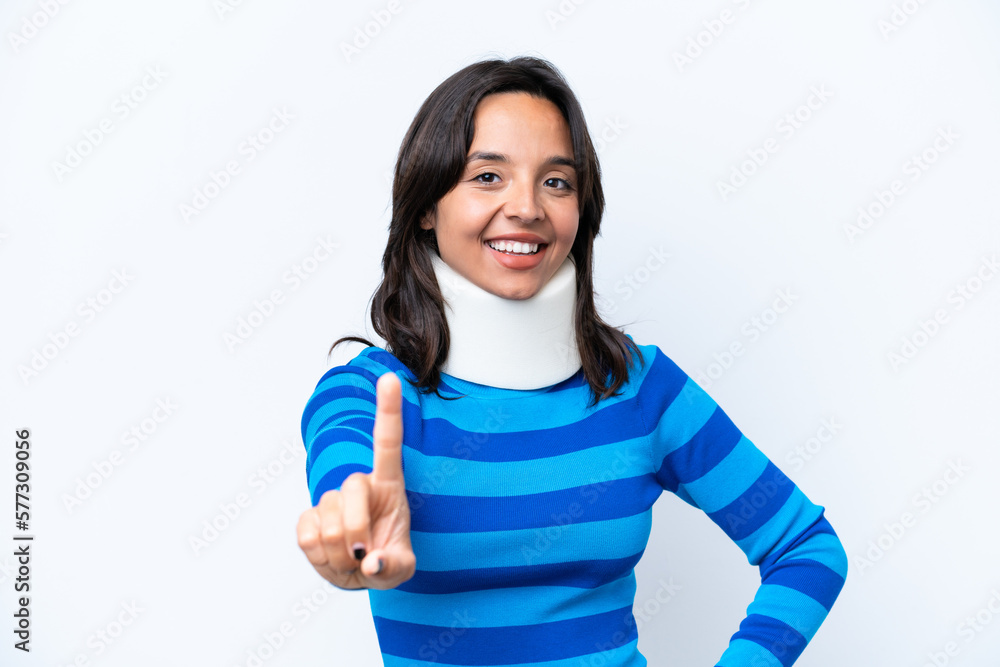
(472, 214)
(568, 225)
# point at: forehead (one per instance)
(519, 115)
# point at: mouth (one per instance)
(516, 247)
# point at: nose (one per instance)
(522, 202)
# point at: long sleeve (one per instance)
(700, 455)
(337, 426)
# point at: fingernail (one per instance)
(381, 564)
(359, 551)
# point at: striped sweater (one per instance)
(530, 510)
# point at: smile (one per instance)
(514, 247)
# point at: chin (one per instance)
(516, 294)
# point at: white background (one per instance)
(681, 130)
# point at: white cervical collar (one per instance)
(510, 343)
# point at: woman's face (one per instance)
(518, 187)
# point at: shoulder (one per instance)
(655, 366)
(357, 378)
(658, 381)
(367, 367)
(351, 387)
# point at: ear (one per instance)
(427, 219)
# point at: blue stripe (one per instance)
(348, 385)
(809, 577)
(389, 361)
(742, 652)
(704, 451)
(464, 477)
(512, 643)
(755, 506)
(624, 656)
(682, 418)
(464, 514)
(335, 436)
(725, 483)
(792, 607)
(818, 542)
(578, 574)
(343, 453)
(450, 384)
(661, 386)
(791, 519)
(334, 478)
(359, 419)
(543, 545)
(534, 604)
(331, 410)
(780, 639)
(609, 425)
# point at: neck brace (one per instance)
(510, 343)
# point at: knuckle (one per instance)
(331, 533)
(355, 523)
(354, 481)
(306, 531)
(328, 500)
(308, 540)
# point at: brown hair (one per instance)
(407, 307)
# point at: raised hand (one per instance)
(359, 536)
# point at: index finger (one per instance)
(387, 434)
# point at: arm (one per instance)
(357, 532)
(700, 455)
(337, 426)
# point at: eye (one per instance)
(565, 185)
(488, 178)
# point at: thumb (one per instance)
(374, 564)
(393, 567)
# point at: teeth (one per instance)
(514, 247)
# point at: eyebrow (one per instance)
(500, 157)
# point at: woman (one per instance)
(496, 503)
